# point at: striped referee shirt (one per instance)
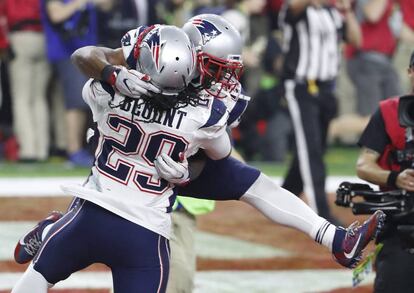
(311, 43)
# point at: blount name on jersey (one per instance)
(171, 118)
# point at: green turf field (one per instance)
(340, 161)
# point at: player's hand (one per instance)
(405, 180)
(133, 84)
(172, 171)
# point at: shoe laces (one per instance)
(33, 244)
(352, 230)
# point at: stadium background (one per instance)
(238, 249)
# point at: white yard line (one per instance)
(223, 281)
(35, 187)
(45, 187)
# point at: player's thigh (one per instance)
(145, 279)
(226, 179)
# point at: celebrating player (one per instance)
(122, 216)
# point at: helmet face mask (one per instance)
(224, 73)
(219, 47)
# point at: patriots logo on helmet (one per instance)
(207, 30)
(154, 44)
(126, 40)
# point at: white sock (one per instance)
(283, 207)
(31, 282)
(325, 234)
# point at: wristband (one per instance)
(109, 74)
(392, 179)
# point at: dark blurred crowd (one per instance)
(41, 111)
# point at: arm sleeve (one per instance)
(219, 147)
(213, 137)
(96, 95)
(375, 136)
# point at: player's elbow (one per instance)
(82, 56)
(78, 56)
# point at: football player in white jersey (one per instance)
(122, 218)
(247, 183)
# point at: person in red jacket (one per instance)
(4, 43)
(407, 30)
(370, 67)
(376, 164)
(29, 73)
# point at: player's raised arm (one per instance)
(92, 60)
(109, 65)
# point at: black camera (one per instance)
(364, 200)
(406, 111)
(398, 205)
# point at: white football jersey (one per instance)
(123, 179)
(236, 103)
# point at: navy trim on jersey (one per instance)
(108, 88)
(218, 109)
(172, 201)
(237, 110)
(131, 61)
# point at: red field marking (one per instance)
(11, 266)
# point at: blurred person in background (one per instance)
(247, 16)
(123, 15)
(313, 31)
(370, 66)
(207, 6)
(378, 163)
(29, 73)
(4, 42)
(176, 12)
(407, 30)
(70, 25)
(264, 131)
(8, 142)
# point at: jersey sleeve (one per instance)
(212, 135)
(216, 123)
(97, 95)
(237, 108)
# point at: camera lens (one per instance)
(406, 111)
(410, 111)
